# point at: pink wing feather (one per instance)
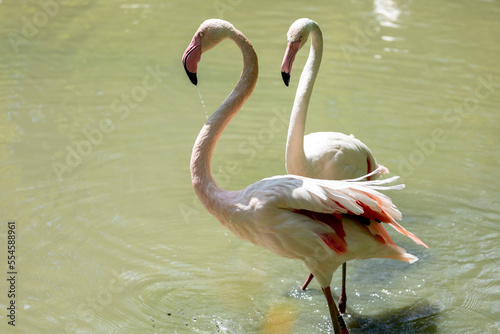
(334, 198)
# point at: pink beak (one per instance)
(191, 58)
(286, 67)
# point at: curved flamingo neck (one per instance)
(201, 176)
(296, 162)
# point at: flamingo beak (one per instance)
(191, 58)
(286, 67)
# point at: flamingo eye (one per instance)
(200, 34)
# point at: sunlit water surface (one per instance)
(97, 124)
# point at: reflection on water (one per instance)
(387, 12)
(96, 133)
(421, 317)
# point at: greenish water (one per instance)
(97, 124)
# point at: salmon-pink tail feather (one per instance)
(388, 212)
(367, 203)
(404, 231)
(376, 229)
(387, 218)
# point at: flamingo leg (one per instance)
(308, 280)
(339, 326)
(343, 296)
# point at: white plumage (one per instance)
(297, 217)
(321, 155)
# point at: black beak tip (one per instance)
(286, 78)
(192, 77)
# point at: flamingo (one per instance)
(322, 223)
(320, 155)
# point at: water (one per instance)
(98, 123)
(202, 102)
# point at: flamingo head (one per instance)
(296, 38)
(209, 34)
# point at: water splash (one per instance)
(202, 102)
